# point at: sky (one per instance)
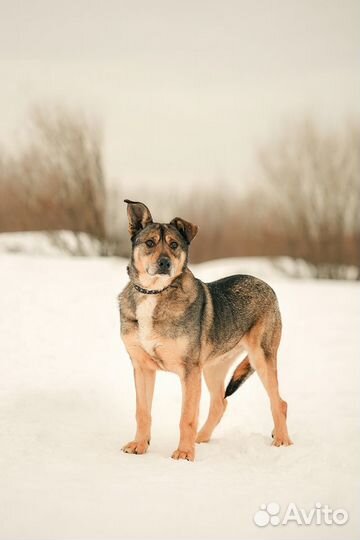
(186, 92)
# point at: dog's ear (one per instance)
(138, 215)
(185, 228)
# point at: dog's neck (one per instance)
(134, 280)
(177, 282)
(151, 291)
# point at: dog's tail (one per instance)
(241, 373)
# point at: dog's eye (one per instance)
(150, 243)
(174, 245)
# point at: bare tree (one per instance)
(72, 171)
(312, 185)
(230, 223)
(57, 183)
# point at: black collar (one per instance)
(149, 291)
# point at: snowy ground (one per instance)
(67, 406)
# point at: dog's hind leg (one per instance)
(265, 367)
(214, 375)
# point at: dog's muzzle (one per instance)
(163, 265)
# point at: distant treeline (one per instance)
(305, 203)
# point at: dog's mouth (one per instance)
(152, 279)
(163, 271)
(159, 272)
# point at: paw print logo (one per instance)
(267, 514)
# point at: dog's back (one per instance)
(239, 302)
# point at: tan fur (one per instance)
(146, 263)
(267, 371)
(241, 369)
(215, 371)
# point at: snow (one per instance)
(33, 243)
(47, 243)
(67, 407)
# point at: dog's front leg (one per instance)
(144, 384)
(191, 390)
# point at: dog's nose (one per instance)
(164, 265)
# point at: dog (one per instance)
(172, 321)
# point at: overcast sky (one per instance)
(186, 90)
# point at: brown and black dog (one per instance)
(172, 321)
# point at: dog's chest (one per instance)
(144, 315)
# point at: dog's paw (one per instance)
(135, 447)
(189, 455)
(281, 440)
(202, 437)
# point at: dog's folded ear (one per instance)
(138, 215)
(185, 228)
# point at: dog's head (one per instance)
(159, 250)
